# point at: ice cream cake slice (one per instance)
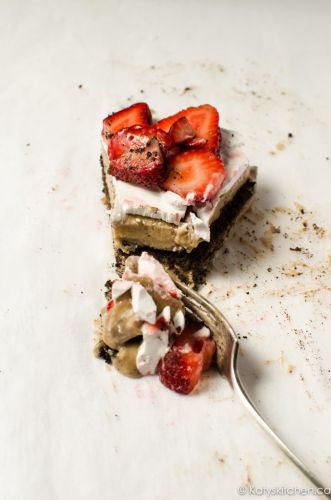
(175, 187)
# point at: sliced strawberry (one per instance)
(208, 351)
(203, 119)
(199, 344)
(181, 130)
(180, 371)
(137, 114)
(136, 138)
(136, 155)
(110, 305)
(196, 175)
(181, 368)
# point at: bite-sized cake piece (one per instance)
(174, 187)
(144, 328)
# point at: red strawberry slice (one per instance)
(208, 351)
(181, 368)
(136, 155)
(136, 138)
(199, 344)
(110, 305)
(180, 371)
(203, 119)
(181, 130)
(196, 175)
(137, 114)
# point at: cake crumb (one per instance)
(267, 238)
(299, 207)
(220, 458)
(290, 368)
(320, 231)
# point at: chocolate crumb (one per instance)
(290, 135)
(269, 269)
(296, 249)
(80, 86)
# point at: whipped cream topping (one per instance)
(151, 268)
(120, 287)
(179, 321)
(201, 228)
(172, 208)
(203, 332)
(137, 200)
(154, 346)
(142, 303)
(186, 348)
(166, 314)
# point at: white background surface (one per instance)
(70, 428)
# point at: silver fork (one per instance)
(227, 360)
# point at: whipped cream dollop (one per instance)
(143, 304)
(120, 287)
(201, 228)
(151, 268)
(154, 347)
(203, 332)
(179, 321)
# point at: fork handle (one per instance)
(236, 384)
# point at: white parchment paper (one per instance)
(71, 429)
